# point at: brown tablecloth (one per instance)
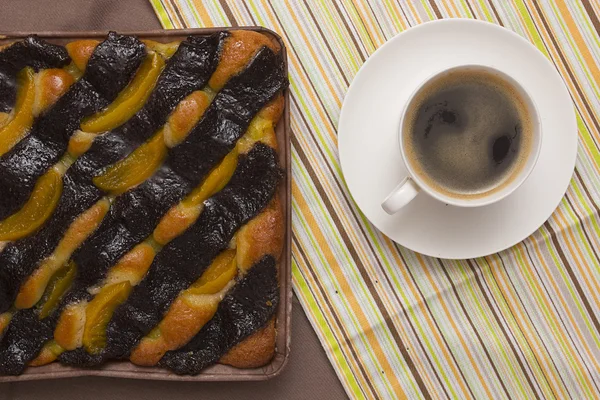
(308, 374)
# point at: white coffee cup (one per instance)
(410, 186)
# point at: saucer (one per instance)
(370, 156)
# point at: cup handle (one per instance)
(400, 196)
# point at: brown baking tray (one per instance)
(218, 372)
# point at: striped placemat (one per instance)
(395, 324)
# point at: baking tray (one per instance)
(218, 372)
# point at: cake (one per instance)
(139, 211)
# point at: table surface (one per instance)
(308, 373)
(523, 323)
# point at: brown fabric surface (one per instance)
(76, 15)
(308, 373)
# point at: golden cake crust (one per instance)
(254, 351)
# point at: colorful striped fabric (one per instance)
(523, 323)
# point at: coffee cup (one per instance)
(469, 136)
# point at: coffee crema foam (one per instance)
(468, 133)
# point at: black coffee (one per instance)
(467, 133)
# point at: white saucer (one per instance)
(371, 160)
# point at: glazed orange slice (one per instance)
(59, 284)
(99, 312)
(130, 100)
(217, 276)
(36, 211)
(135, 168)
(17, 127)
